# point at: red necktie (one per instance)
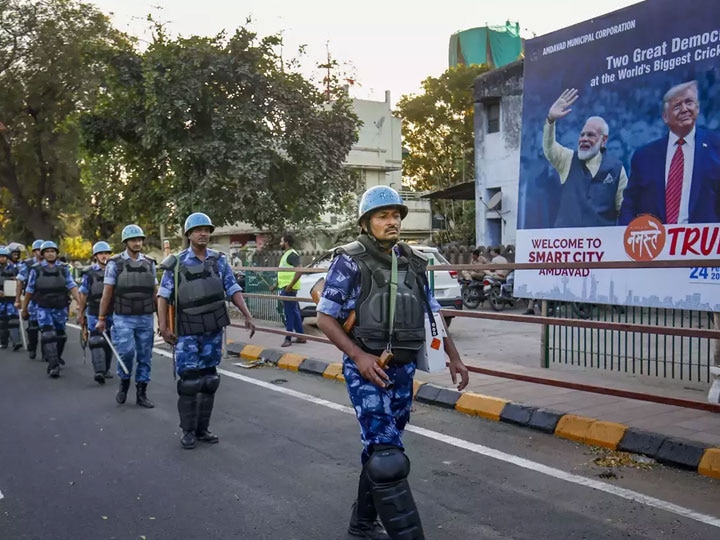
(673, 189)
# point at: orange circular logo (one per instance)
(644, 238)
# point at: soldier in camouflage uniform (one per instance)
(91, 290)
(198, 291)
(9, 319)
(33, 328)
(130, 286)
(48, 285)
(359, 279)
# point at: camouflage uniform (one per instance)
(198, 351)
(198, 354)
(9, 319)
(381, 412)
(52, 320)
(133, 335)
(102, 357)
(33, 326)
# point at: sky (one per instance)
(384, 44)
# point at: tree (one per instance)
(215, 124)
(50, 55)
(438, 131)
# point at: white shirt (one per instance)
(688, 150)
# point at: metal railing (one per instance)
(672, 344)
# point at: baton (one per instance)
(22, 332)
(115, 353)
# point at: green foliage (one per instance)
(51, 53)
(214, 124)
(439, 134)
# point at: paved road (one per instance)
(75, 465)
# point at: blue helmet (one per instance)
(48, 244)
(380, 197)
(101, 247)
(37, 244)
(197, 219)
(4, 251)
(132, 231)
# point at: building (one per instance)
(377, 158)
(498, 119)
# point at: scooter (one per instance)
(500, 292)
(472, 291)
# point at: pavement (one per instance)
(78, 466)
(674, 435)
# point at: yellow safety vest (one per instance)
(284, 278)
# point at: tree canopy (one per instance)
(91, 124)
(215, 124)
(438, 132)
(50, 57)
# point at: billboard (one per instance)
(620, 157)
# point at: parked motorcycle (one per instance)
(472, 292)
(499, 292)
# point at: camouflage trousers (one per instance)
(9, 324)
(133, 337)
(381, 413)
(197, 352)
(55, 318)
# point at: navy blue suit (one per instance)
(645, 192)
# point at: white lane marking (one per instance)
(501, 456)
(1, 496)
(493, 453)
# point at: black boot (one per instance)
(205, 408)
(187, 409)
(142, 399)
(387, 470)
(61, 340)
(122, 392)
(108, 363)
(32, 338)
(363, 520)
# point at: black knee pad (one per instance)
(387, 465)
(189, 387)
(4, 323)
(33, 326)
(48, 334)
(210, 384)
(96, 341)
(13, 321)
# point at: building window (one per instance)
(492, 109)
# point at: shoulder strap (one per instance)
(351, 249)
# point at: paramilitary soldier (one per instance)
(359, 279)
(130, 286)
(48, 285)
(33, 328)
(91, 290)
(196, 282)
(9, 318)
(15, 252)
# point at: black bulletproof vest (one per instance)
(372, 308)
(201, 299)
(134, 287)
(51, 286)
(95, 290)
(7, 273)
